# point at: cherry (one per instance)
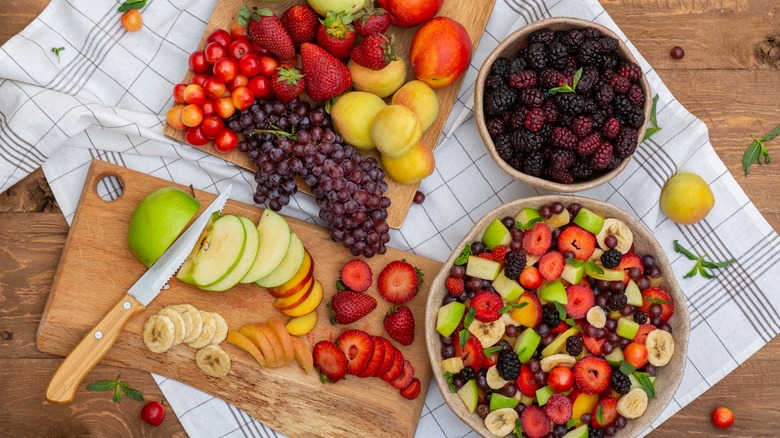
(153, 413)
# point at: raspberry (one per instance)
(602, 157)
(573, 38)
(620, 84)
(454, 286)
(535, 119)
(611, 128)
(500, 68)
(533, 164)
(608, 44)
(551, 78)
(563, 138)
(557, 55)
(518, 118)
(523, 79)
(581, 126)
(532, 97)
(493, 81)
(630, 71)
(626, 142)
(535, 56)
(589, 144)
(635, 95)
(581, 170)
(544, 36)
(499, 253)
(570, 103)
(562, 176)
(495, 127)
(499, 100)
(588, 53)
(562, 159)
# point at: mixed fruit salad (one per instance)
(553, 324)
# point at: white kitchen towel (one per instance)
(106, 97)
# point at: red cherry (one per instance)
(220, 36)
(153, 413)
(211, 125)
(214, 52)
(723, 417)
(239, 48)
(198, 62)
(260, 86)
(195, 137)
(226, 140)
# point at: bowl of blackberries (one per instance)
(562, 104)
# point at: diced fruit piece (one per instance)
(509, 289)
(448, 317)
(217, 252)
(377, 357)
(577, 240)
(309, 304)
(526, 383)
(558, 408)
(330, 361)
(398, 282)
(608, 408)
(635, 383)
(594, 344)
(285, 340)
(543, 394)
(633, 294)
(472, 353)
(592, 374)
(558, 344)
(303, 354)
(356, 275)
(405, 378)
(627, 328)
(288, 267)
(554, 291)
(551, 265)
(527, 215)
(579, 432)
(534, 422)
(530, 278)
(642, 333)
(276, 345)
(412, 391)
(580, 300)
(628, 261)
(498, 401)
(605, 274)
(488, 333)
(496, 234)
(244, 343)
(303, 324)
(589, 220)
(347, 306)
(558, 220)
(452, 365)
(573, 274)
(487, 304)
(357, 346)
(531, 314)
(302, 279)
(483, 268)
(274, 241)
(399, 324)
(537, 240)
(614, 358)
(661, 297)
(582, 404)
(470, 395)
(526, 344)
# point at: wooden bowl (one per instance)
(667, 378)
(509, 48)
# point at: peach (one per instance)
(301, 325)
(352, 116)
(380, 82)
(686, 198)
(258, 337)
(420, 98)
(395, 130)
(440, 52)
(408, 13)
(284, 338)
(295, 299)
(275, 343)
(311, 303)
(303, 355)
(244, 343)
(412, 167)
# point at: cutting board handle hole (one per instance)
(109, 187)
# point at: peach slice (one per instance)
(303, 354)
(284, 338)
(310, 304)
(275, 342)
(302, 324)
(299, 280)
(294, 300)
(244, 343)
(261, 341)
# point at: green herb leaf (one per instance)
(561, 310)
(131, 4)
(593, 267)
(652, 300)
(518, 428)
(509, 307)
(340, 285)
(463, 336)
(420, 276)
(645, 383)
(679, 249)
(573, 323)
(600, 414)
(757, 151)
(575, 262)
(132, 392)
(56, 51)
(448, 377)
(571, 423)
(693, 271)
(463, 258)
(576, 79)
(650, 131)
(704, 273)
(528, 225)
(717, 265)
(117, 394)
(653, 112)
(775, 132)
(701, 265)
(565, 88)
(653, 121)
(102, 385)
(490, 351)
(626, 368)
(469, 317)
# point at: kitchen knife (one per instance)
(96, 343)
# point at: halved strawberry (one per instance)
(377, 356)
(405, 378)
(628, 261)
(499, 253)
(471, 353)
(592, 374)
(558, 409)
(487, 256)
(356, 275)
(594, 344)
(358, 346)
(486, 305)
(560, 328)
(581, 299)
(526, 382)
(654, 295)
(330, 361)
(455, 286)
(534, 422)
(412, 391)
(551, 265)
(537, 240)
(388, 356)
(396, 368)
(608, 408)
(577, 240)
(641, 334)
(398, 282)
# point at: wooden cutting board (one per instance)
(96, 269)
(472, 14)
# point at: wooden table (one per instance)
(728, 78)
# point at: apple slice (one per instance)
(483, 268)
(217, 252)
(301, 325)
(284, 338)
(303, 354)
(580, 432)
(448, 317)
(470, 395)
(243, 265)
(554, 291)
(299, 280)
(290, 265)
(244, 343)
(509, 289)
(496, 234)
(287, 303)
(274, 240)
(257, 336)
(310, 304)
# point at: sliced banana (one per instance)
(596, 317)
(488, 333)
(620, 230)
(159, 333)
(660, 347)
(209, 327)
(501, 422)
(557, 360)
(187, 321)
(220, 333)
(195, 317)
(179, 326)
(494, 379)
(633, 404)
(213, 361)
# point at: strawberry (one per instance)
(330, 361)
(534, 422)
(301, 22)
(388, 355)
(560, 328)
(592, 374)
(499, 253)
(642, 333)
(526, 383)
(558, 409)
(326, 76)
(577, 240)
(398, 282)
(412, 391)
(551, 265)
(347, 306)
(406, 376)
(487, 305)
(396, 367)
(628, 261)
(580, 300)
(374, 52)
(287, 82)
(655, 295)
(594, 344)
(486, 256)
(377, 355)
(536, 241)
(399, 324)
(265, 29)
(608, 408)
(336, 34)
(356, 275)
(371, 20)
(358, 347)
(472, 353)
(454, 285)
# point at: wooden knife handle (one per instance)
(92, 348)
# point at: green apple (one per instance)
(509, 289)
(498, 401)
(573, 274)
(470, 395)
(482, 268)
(274, 241)
(558, 220)
(526, 215)
(554, 291)
(496, 234)
(580, 432)
(615, 357)
(157, 221)
(524, 399)
(349, 6)
(627, 328)
(635, 383)
(559, 343)
(243, 265)
(589, 220)
(448, 317)
(288, 268)
(605, 274)
(217, 252)
(526, 343)
(452, 365)
(633, 294)
(543, 394)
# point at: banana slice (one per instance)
(557, 360)
(213, 361)
(209, 327)
(596, 317)
(501, 422)
(660, 347)
(179, 326)
(195, 317)
(633, 404)
(220, 333)
(159, 333)
(187, 321)
(494, 379)
(488, 333)
(618, 229)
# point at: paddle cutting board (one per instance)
(472, 14)
(96, 270)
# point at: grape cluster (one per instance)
(293, 140)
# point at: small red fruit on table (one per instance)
(153, 413)
(723, 417)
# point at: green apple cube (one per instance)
(615, 357)
(554, 291)
(543, 394)
(558, 220)
(526, 343)
(589, 220)
(449, 316)
(606, 274)
(573, 274)
(498, 401)
(559, 343)
(580, 432)
(526, 215)
(470, 395)
(509, 289)
(483, 268)
(633, 295)
(627, 328)
(496, 234)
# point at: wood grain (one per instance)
(473, 19)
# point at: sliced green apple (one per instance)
(498, 401)
(615, 357)
(509, 289)
(559, 343)
(217, 252)
(543, 394)
(526, 344)
(633, 294)
(448, 317)
(605, 274)
(470, 395)
(482, 268)
(554, 291)
(496, 234)
(627, 328)
(526, 215)
(243, 265)
(274, 241)
(589, 220)
(288, 267)
(580, 432)
(573, 274)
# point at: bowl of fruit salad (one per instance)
(561, 104)
(557, 315)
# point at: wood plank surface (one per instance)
(729, 68)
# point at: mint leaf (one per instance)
(600, 414)
(575, 262)
(650, 131)
(528, 225)
(102, 385)
(652, 300)
(645, 383)
(561, 310)
(509, 307)
(577, 77)
(56, 51)
(340, 285)
(626, 368)
(565, 88)
(132, 393)
(463, 336)
(717, 265)
(757, 151)
(704, 273)
(490, 351)
(518, 428)
(117, 394)
(594, 267)
(775, 132)
(679, 249)
(701, 265)
(653, 121)
(118, 387)
(463, 258)
(571, 423)
(693, 271)
(448, 377)
(131, 4)
(573, 323)
(469, 317)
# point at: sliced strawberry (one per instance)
(412, 391)
(396, 369)
(642, 333)
(356, 275)
(405, 378)
(358, 346)
(654, 295)
(534, 422)
(581, 299)
(592, 374)
(526, 382)
(487, 305)
(537, 240)
(594, 344)
(558, 409)
(489, 360)
(628, 261)
(499, 253)
(560, 328)
(486, 256)
(330, 361)
(454, 285)
(472, 353)
(398, 282)
(608, 407)
(377, 357)
(551, 265)
(388, 356)
(577, 240)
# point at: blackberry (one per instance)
(514, 263)
(620, 382)
(620, 84)
(635, 117)
(611, 128)
(467, 373)
(516, 65)
(522, 79)
(544, 36)
(493, 81)
(589, 144)
(563, 176)
(545, 133)
(499, 100)
(590, 106)
(608, 44)
(600, 116)
(518, 118)
(595, 433)
(592, 33)
(533, 165)
(604, 95)
(535, 56)
(590, 76)
(581, 170)
(626, 142)
(565, 120)
(515, 161)
(550, 316)
(609, 60)
(532, 97)
(640, 317)
(535, 119)
(588, 53)
(574, 345)
(526, 141)
(617, 301)
(508, 365)
(571, 66)
(495, 127)
(500, 67)
(621, 105)
(551, 110)
(635, 95)
(563, 138)
(570, 103)
(630, 71)
(611, 259)
(557, 55)
(573, 38)
(561, 159)
(602, 157)
(504, 147)
(551, 78)
(614, 163)
(581, 126)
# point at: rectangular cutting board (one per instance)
(472, 14)
(96, 270)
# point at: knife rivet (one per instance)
(98, 335)
(126, 305)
